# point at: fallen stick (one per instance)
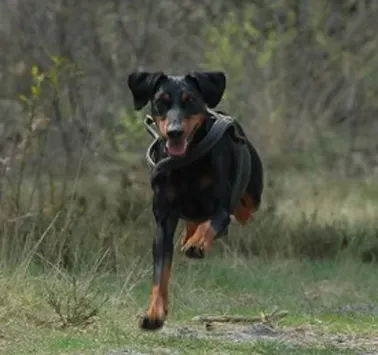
(263, 318)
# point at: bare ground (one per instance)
(304, 336)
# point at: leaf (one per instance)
(40, 78)
(35, 90)
(34, 71)
(264, 57)
(23, 98)
(56, 60)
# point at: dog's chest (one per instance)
(195, 189)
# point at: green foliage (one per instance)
(229, 44)
(297, 78)
(223, 42)
(35, 89)
(132, 130)
(49, 81)
(236, 44)
(236, 38)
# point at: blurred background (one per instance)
(302, 79)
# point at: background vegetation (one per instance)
(74, 192)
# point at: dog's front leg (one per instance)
(198, 244)
(199, 237)
(166, 216)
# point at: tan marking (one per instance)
(190, 228)
(188, 124)
(202, 238)
(165, 97)
(185, 97)
(162, 123)
(158, 307)
(191, 123)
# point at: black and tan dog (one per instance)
(201, 191)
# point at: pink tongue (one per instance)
(176, 148)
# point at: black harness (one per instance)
(223, 124)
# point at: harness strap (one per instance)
(243, 173)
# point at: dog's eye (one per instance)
(186, 98)
(164, 98)
(163, 102)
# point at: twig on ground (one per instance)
(262, 318)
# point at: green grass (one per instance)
(70, 285)
(312, 293)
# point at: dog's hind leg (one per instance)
(245, 209)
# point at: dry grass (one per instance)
(326, 199)
(314, 294)
(76, 273)
(302, 215)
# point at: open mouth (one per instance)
(177, 147)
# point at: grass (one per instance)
(312, 292)
(76, 278)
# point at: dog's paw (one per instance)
(196, 249)
(198, 244)
(193, 251)
(154, 317)
(152, 324)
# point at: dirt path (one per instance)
(305, 335)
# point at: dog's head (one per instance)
(178, 103)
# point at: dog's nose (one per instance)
(175, 133)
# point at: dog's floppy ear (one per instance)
(211, 84)
(142, 86)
